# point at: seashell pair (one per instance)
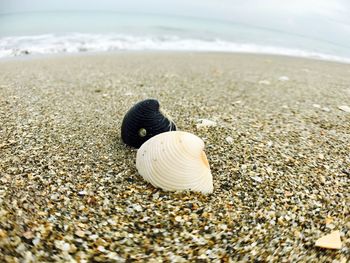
(169, 159)
(143, 121)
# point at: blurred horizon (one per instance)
(301, 28)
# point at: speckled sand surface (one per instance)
(69, 189)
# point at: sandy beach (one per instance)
(279, 155)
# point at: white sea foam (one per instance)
(78, 42)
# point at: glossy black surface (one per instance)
(143, 121)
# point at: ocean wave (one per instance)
(78, 42)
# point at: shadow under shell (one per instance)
(143, 121)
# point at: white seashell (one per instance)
(344, 108)
(229, 139)
(174, 161)
(264, 82)
(205, 123)
(283, 78)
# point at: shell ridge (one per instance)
(176, 178)
(175, 154)
(171, 179)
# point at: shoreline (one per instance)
(346, 61)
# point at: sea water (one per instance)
(72, 32)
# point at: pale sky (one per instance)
(224, 9)
(320, 19)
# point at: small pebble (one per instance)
(82, 193)
(283, 78)
(229, 140)
(344, 108)
(101, 249)
(205, 123)
(264, 82)
(257, 179)
(178, 218)
(80, 233)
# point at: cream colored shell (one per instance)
(174, 161)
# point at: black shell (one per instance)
(143, 121)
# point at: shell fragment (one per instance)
(331, 241)
(344, 108)
(205, 123)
